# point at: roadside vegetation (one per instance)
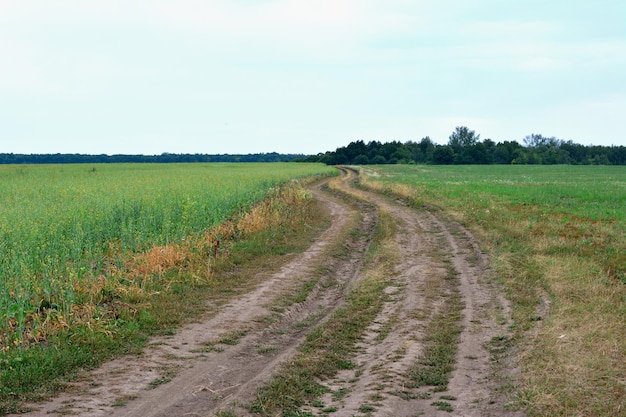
(95, 258)
(557, 239)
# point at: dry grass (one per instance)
(158, 260)
(575, 363)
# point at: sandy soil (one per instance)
(188, 374)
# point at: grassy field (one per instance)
(557, 238)
(86, 251)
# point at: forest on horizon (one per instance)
(464, 147)
(60, 158)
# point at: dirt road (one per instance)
(219, 364)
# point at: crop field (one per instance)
(66, 230)
(556, 236)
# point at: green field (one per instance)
(597, 192)
(557, 239)
(63, 228)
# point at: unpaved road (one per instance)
(190, 374)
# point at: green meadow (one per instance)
(557, 240)
(597, 192)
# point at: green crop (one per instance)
(62, 227)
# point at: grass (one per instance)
(441, 338)
(443, 406)
(557, 239)
(123, 400)
(169, 297)
(232, 338)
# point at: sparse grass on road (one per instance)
(330, 347)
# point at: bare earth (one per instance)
(188, 374)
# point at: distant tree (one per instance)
(402, 154)
(477, 154)
(427, 147)
(361, 160)
(617, 155)
(520, 157)
(379, 159)
(577, 153)
(389, 148)
(506, 152)
(600, 159)
(354, 149)
(462, 140)
(462, 137)
(536, 140)
(414, 152)
(469, 150)
(443, 155)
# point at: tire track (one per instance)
(430, 247)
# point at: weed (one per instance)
(226, 413)
(159, 381)
(438, 360)
(266, 349)
(412, 395)
(377, 397)
(443, 406)
(340, 393)
(123, 400)
(232, 338)
(366, 408)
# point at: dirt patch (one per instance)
(218, 364)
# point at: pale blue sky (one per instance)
(296, 76)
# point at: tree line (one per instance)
(465, 147)
(58, 158)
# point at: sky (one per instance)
(304, 76)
